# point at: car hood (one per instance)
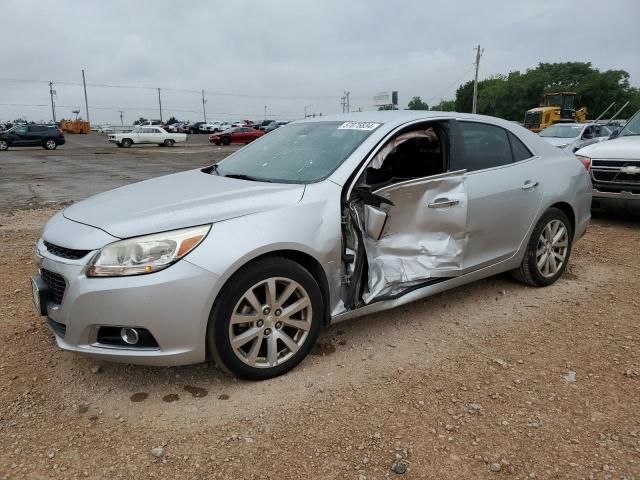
(179, 200)
(557, 141)
(624, 148)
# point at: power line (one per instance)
(439, 95)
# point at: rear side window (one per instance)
(520, 151)
(37, 128)
(485, 146)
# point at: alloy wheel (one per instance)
(50, 144)
(3, 145)
(270, 322)
(552, 247)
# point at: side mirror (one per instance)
(614, 134)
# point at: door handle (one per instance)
(528, 185)
(443, 203)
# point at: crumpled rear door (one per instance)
(420, 236)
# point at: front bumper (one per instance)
(172, 304)
(623, 200)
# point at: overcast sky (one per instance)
(286, 54)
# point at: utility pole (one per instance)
(265, 112)
(160, 103)
(305, 109)
(346, 102)
(121, 117)
(343, 102)
(204, 108)
(86, 102)
(479, 53)
(52, 92)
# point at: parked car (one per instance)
(320, 221)
(106, 129)
(223, 126)
(268, 126)
(235, 135)
(574, 136)
(46, 136)
(175, 128)
(615, 168)
(209, 127)
(147, 135)
(193, 128)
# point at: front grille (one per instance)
(532, 120)
(56, 284)
(610, 171)
(64, 252)
(57, 328)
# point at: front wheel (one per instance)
(50, 144)
(126, 143)
(548, 250)
(266, 319)
(226, 141)
(168, 142)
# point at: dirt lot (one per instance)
(491, 380)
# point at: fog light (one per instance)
(129, 335)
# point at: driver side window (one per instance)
(417, 152)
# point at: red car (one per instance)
(235, 135)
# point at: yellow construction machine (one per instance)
(554, 107)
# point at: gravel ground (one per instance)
(491, 380)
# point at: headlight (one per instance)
(147, 254)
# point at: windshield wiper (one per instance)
(241, 176)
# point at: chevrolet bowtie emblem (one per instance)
(630, 170)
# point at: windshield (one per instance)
(562, 131)
(298, 153)
(632, 127)
(136, 130)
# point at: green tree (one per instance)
(140, 121)
(445, 106)
(509, 96)
(416, 103)
(171, 121)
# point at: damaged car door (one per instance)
(410, 214)
(418, 235)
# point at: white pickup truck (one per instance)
(147, 135)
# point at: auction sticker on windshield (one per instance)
(358, 126)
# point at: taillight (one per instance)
(585, 161)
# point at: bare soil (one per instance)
(491, 380)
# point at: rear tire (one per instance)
(4, 145)
(126, 143)
(283, 307)
(548, 250)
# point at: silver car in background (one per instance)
(574, 136)
(320, 221)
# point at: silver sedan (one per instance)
(320, 221)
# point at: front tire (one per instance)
(226, 141)
(126, 143)
(168, 143)
(548, 250)
(50, 144)
(265, 320)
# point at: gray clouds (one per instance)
(308, 51)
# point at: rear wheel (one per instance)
(50, 144)
(266, 319)
(168, 142)
(548, 250)
(4, 145)
(126, 142)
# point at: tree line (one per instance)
(509, 96)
